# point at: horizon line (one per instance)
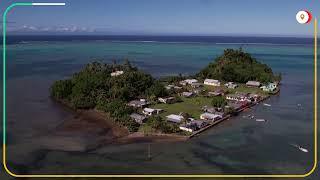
(165, 35)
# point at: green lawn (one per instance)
(191, 106)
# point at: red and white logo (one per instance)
(303, 17)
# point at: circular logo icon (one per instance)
(303, 17)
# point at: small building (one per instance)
(183, 83)
(166, 100)
(253, 84)
(151, 111)
(116, 73)
(241, 97)
(210, 116)
(187, 94)
(218, 92)
(174, 118)
(188, 127)
(196, 85)
(199, 123)
(177, 87)
(270, 87)
(211, 82)
(138, 103)
(190, 81)
(138, 118)
(213, 110)
(231, 85)
(209, 109)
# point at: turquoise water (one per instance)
(236, 146)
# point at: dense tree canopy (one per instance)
(237, 66)
(218, 101)
(94, 87)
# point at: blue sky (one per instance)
(163, 17)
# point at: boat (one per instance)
(300, 148)
(261, 120)
(265, 104)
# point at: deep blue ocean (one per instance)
(239, 145)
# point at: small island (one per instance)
(175, 106)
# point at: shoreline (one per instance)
(107, 132)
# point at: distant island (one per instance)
(169, 106)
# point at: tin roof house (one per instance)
(211, 82)
(138, 118)
(174, 118)
(166, 100)
(210, 116)
(151, 111)
(138, 103)
(231, 85)
(253, 84)
(270, 87)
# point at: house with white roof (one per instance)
(166, 100)
(190, 81)
(138, 118)
(253, 84)
(210, 116)
(231, 85)
(211, 82)
(174, 118)
(151, 111)
(270, 87)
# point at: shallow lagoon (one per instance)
(235, 146)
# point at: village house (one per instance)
(253, 84)
(166, 100)
(187, 94)
(211, 82)
(213, 110)
(193, 126)
(210, 116)
(138, 118)
(208, 109)
(174, 118)
(183, 83)
(231, 85)
(196, 85)
(190, 81)
(151, 111)
(188, 127)
(241, 97)
(199, 123)
(138, 103)
(177, 87)
(217, 92)
(116, 73)
(270, 87)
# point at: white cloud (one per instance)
(56, 29)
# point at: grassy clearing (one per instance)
(191, 106)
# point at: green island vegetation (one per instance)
(238, 66)
(111, 88)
